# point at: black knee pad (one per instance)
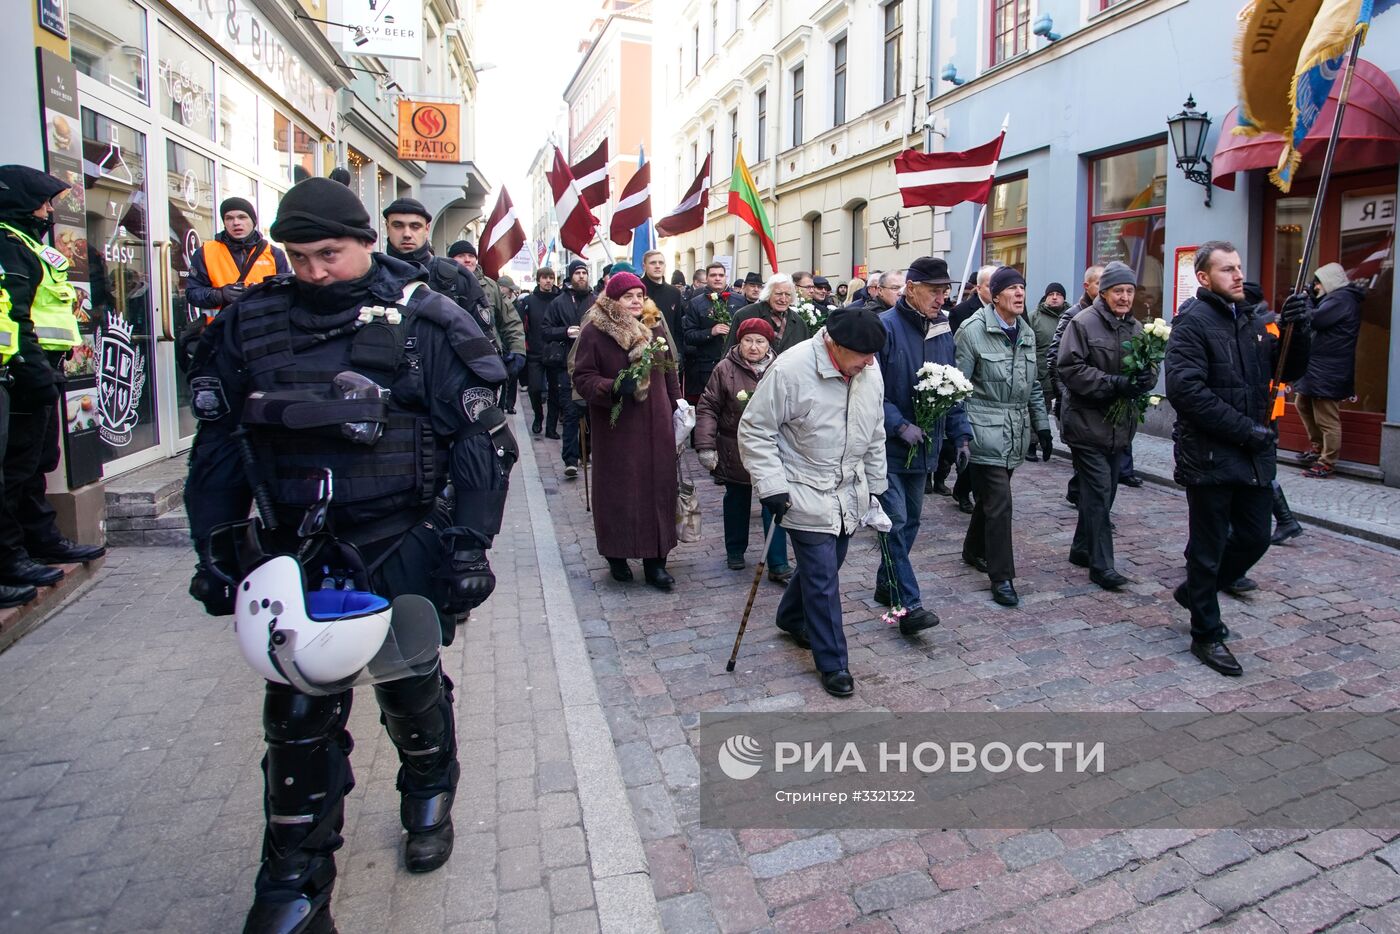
(417, 712)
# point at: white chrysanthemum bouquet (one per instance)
(937, 388)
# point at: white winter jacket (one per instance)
(811, 434)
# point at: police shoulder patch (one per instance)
(476, 400)
(207, 398)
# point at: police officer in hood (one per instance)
(348, 308)
(36, 277)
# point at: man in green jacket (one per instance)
(996, 351)
(1045, 320)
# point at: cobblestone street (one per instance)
(130, 737)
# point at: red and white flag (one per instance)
(633, 206)
(591, 174)
(948, 178)
(504, 236)
(576, 222)
(690, 213)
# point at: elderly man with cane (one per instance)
(813, 441)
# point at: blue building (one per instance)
(1088, 173)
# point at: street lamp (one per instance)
(1188, 131)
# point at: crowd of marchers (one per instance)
(810, 406)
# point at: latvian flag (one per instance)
(591, 176)
(504, 237)
(690, 213)
(948, 178)
(633, 206)
(576, 222)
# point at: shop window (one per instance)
(1004, 240)
(109, 43)
(238, 119)
(303, 154)
(1128, 219)
(858, 239)
(186, 80)
(1011, 29)
(190, 206)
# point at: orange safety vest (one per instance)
(224, 271)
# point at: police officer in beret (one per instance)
(346, 308)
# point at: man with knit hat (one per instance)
(813, 441)
(562, 324)
(996, 352)
(1091, 352)
(510, 332)
(41, 307)
(239, 256)
(1331, 376)
(1043, 320)
(366, 317)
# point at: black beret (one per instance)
(408, 206)
(929, 269)
(857, 329)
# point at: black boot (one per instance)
(654, 570)
(64, 551)
(1288, 526)
(16, 596)
(418, 714)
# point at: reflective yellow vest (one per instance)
(9, 331)
(52, 307)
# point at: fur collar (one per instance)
(629, 332)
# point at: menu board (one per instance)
(1185, 278)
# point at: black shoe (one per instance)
(16, 596)
(620, 569)
(289, 913)
(917, 620)
(1005, 594)
(942, 489)
(1132, 480)
(657, 576)
(537, 426)
(64, 551)
(979, 563)
(552, 434)
(1285, 531)
(734, 563)
(26, 572)
(882, 596)
(928, 484)
(1240, 587)
(1078, 560)
(429, 849)
(570, 471)
(780, 577)
(966, 505)
(1108, 580)
(1216, 655)
(838, 683)
(1179, 595)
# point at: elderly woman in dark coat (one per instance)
(634, 507)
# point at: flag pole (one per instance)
(977, 228)
(1315, 224)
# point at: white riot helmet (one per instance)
(325, 641)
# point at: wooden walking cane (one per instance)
(753, 592)
(583, 444)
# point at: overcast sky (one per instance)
(534, 46)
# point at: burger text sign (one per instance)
(430, 132)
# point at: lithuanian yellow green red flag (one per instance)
(745, 204)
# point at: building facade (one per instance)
(821, 97)
(610, 97)
(158, 110)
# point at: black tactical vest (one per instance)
(396, 478)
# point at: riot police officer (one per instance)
(42, 305)
(10, 595)
(347, 308)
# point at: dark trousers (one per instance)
(26, 518)
(560, 392)
(947, 456)
(1125, 469)
(509, 394)
(535, 387)
(738, 504)
(574, 412)
(989, 532)
(903, 502)
(1097, 472)
(1229, 530)
(812, 600)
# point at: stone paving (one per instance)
(130, 794)
(1323, 633)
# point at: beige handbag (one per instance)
(687, 509)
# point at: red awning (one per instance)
(1370, 133)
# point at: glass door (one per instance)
(189, 180)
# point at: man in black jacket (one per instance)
(702, 335)
(533, 308)
(562, 323)
(666, 297)
(1219, 362)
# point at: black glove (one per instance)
(628, 386)
(515, 364)
(1046, 442)
(465, 578)
(1296, 309)
(213, 591)
(778, 504)
(231, 293)
(1143, 382)
(964, 456)
(1261, 438)
(1120, 385)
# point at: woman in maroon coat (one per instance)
(634, 505)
